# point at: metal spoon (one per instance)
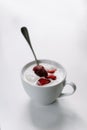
(25, 33)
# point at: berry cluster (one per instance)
(46, 75)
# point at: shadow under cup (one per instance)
(47, 94)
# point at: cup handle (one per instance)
(68, 94)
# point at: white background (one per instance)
(58, 31)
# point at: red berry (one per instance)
(40, 71)
(43, 81)
(53, 77)
(51, 71)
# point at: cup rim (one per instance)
(41, 61)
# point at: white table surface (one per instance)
(58, 31)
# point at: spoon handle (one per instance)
(25, 33)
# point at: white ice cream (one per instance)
(32, 78)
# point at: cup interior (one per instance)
(54, 63)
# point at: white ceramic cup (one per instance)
(46, 95)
